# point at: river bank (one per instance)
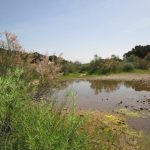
(117, 76)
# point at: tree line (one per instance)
(137, 58)
(12, 54)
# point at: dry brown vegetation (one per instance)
(13, 55)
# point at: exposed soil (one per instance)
(122, 77)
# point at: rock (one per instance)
(148, 100)
(141, 108)
(120, 102)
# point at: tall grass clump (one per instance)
(29, 125)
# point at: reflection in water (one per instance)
(107, 95)
(104, 85)
(46, 90)
(111, 85)
(110, 88)
(138, 85)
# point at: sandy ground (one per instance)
(122, 77)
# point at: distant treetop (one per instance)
(139, 51)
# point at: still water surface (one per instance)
(106, 95)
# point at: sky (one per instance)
(77, 28)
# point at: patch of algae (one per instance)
(143, 139)
(127, 112)
(110, 132)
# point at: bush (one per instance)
(127, 67)
(143, 64)
(105, 70)
(29, 125)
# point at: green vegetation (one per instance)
(73, 75)
(25, 124)
(141, 114)
(137, 58)
(127, 67)
(139, 51)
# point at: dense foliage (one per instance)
(28, 125)
(139, 51)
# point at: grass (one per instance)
(79, 75)
(137, 71)
(140, 71)
(72, 75)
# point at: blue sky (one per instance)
(78, 28)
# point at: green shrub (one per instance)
(30, 125)
(143, 64)
(127, 67)
(105, 70)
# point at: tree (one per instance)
(114, 57)
(9, 41)
(139, 51)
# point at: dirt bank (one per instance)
(120, 77)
